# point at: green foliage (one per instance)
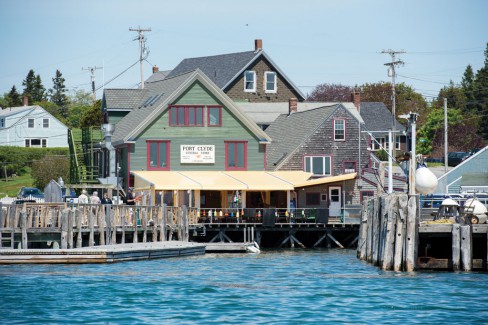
(381, 155)
(48, 168)
(58, 94)
(53, 109)
(13, 184)
(17, 159)
(39, 92)
(4, 101)
(455, 95)
(14, 98)
(29, 85)
(92, 116)
(480, 94)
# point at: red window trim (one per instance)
(187, 115)
(148, 155)
(227, 155)
(220, 116)
(334, 127)
(361, 195)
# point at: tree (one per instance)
(331, 93)
(39, 92)
(48, 168)
(467, 84)
(480, 92)
(29, 84)
(58, 93)
(4, 101)
(92, 116)
(13, 98)
(455, 95)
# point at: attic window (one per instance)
(250, 81)
(2, 123)
(186, 116)
(30, 123)
(270, 82)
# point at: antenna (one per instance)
(144, 52)
(92, 71)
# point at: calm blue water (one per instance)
(284, 287)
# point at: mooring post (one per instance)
(401, 228)
(390, 232)
(23, 225)
(456, 247)
(1, 223)
(144, 225)
(64, 228)
(412, 234)
(376, 231)
(369, 231)
(467, 247)
(385, 202)
(184, 224)
(363, 232)
(108, 233)
(91, 238)
(163, 223)
(70, 227)
(79, 216)
(124, 222)
(101, 224)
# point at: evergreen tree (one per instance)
(480, 91)
(29, 84)
(13, 98)
(467, 85)
(58, 93)
(39, 92)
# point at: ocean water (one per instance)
(274, 287)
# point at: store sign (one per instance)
(197, 154)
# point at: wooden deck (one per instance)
(101, 254)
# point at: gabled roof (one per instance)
(27, 110)
(377, 117)
(15, 110)
(224, 69)
(290, 131)
(123, 99)
(157, 76)
(166, 92)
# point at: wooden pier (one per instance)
(393, 237)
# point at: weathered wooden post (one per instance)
(412, 234)
(392, 209)
(1, 223)
(123, 216)
(108, 231)
(70, 227)
(162, 229)
(401, 228)
(467, 247)
(456, 247)
(79, 239)
(376, 231)
(64, 228)
(363, 231)
(369, 236)
(144, 224)
(184, 224)
(91, 238)
(134, 224)
(13, 211)
(154, 219)
(23, 226)
(385, 202)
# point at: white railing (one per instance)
(10, 200)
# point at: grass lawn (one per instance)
(435, 164)
(13, 185)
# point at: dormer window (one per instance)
(250, 81)
(270, 82)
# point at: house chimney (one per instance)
(258, 45)
(155, 69)
(292, 106)
(356, 99)
(25, 101)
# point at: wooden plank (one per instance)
(320, 240)
(456, 247)
(385, 202)
(71, 217)
(2, 218)
(369, 237)
(64, 229)
(133, 211)
(91, 236)
(144, 225)
(23, 225)
(162, 233)
(376, 231)
(79, 221)
(401, 229)
(390, 233)
(363, 232)
(467, 247)
(124, 222)
(335, 240)
(412, 234)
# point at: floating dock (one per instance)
(102, 254)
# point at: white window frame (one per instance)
(378, 146)
(397, 142)
(45, 123)
(29, 123)
(324, 171)
(275, 86)
(343, 130)
(2, 122)
(43, 143)
(253, 90)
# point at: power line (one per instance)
(144, 52)
(92, 76)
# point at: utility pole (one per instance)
(392, 74)
(92, 71)
(446, 147)
(142, 48)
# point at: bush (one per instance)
(48, 168)
(381, 155)
(16, 159)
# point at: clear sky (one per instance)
(312, 41)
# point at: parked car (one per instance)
(30, 192)
(455, 158)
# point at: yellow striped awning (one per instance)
(231, 180)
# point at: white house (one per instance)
(31, 126)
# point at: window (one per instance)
(36, 143)
(45, 122)
(214, 116)
(30, 123)
(378, 144)
(398, 143)
(250, 81)
(366, 194)
(339, 130)
(158, 155)
(270, 82)
(318, 165)
(349, 167)
(235, 155)
(323, 197)
(312, 198)
(2, 122)
(186, 116)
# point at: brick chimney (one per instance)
(292, 106)
(356, 99)
(258, 45)
(155, 69)
(25, 101)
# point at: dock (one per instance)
(102, 254)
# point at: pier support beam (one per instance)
(456, 247)
(467, 247)
(401, 229)
(412, 233)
